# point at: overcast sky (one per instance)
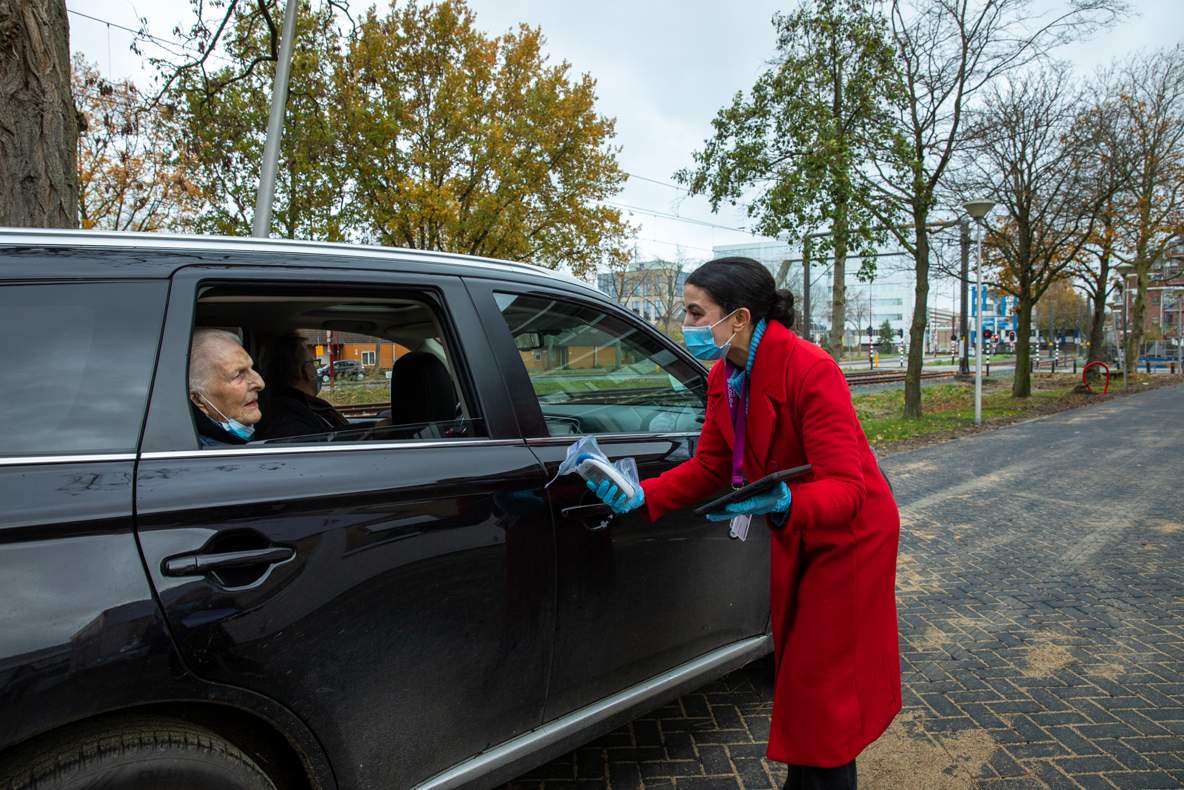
(663, 69)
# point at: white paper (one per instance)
(739, 527)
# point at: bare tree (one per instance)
(1152, 100)
(1107, 167)
(947, 52)
(38, 125)
(1026, 151)
(859, 313)
(626, 279)
(667, 292)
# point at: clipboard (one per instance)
(752, 489)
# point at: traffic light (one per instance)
(987, 334)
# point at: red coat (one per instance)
(833, 574)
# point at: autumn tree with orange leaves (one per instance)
(129, 177)
(455, 140)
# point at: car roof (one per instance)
(105, 253)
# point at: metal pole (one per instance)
(275, 126)
(978, 330)
(964, 239)
(1126, 340)
(1180, 332)
(806, 287)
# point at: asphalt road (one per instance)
(1041, 595)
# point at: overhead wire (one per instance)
(171, 46)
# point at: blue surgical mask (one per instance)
(229, 424)
(700, 340)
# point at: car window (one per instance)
(77, 380)
(595, 372)
(342, 366)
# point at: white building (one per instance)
(890, 297)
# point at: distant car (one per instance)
(415, 601)
(343, 369)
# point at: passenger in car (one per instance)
(293, 408)
(223, 388)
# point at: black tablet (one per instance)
(752, 489)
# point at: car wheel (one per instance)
(133, 754)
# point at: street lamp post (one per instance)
(978, 210)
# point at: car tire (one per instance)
(141, 753)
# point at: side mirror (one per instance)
(528, 341)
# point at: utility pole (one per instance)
(275, 126)
(964, 328)
(806, 286)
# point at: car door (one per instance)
(75, 606)
(635, 598)
(396, 595)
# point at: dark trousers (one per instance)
(807, 777)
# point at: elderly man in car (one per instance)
(294, 408)
(224, 388)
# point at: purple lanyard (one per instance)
(738, 406)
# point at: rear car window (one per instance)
(79, 363)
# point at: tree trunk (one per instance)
(912, 377)
(838, 298)
(1021, 382)
(38, 122)
(1097, 326)
(1135, 333)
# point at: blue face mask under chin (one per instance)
(229, 424)
(700, 341)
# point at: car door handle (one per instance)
(593, 517)
(192, 564)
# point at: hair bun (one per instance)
(782, 309)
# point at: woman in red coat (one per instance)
(775, 401)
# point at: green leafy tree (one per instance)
(887, 335)
(219, 117)
(803, 131)
(457, 141)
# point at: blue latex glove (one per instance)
(775, 501)
(611, 496)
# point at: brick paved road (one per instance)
(1041, 593)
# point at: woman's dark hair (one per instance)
(736, 282)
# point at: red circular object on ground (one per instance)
(1085, 372)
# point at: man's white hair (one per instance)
(204, 349)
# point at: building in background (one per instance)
(890, 297)
(651, 289)
(999, 315)
(1165, 301)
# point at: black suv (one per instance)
(411, 601)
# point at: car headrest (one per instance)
(421, 390)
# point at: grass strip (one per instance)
(948, 409)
